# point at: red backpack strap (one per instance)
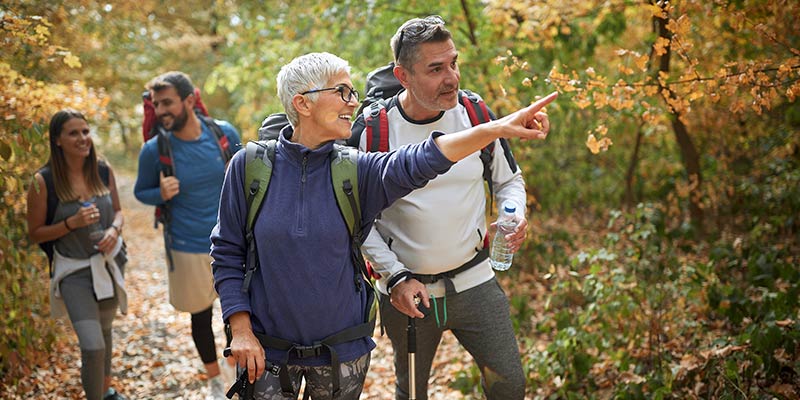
(198, 104)
(377, 127)
(222, 139)
(149, 117)
(476, 108)
(164, 152)
(478, 113)
(371, 271)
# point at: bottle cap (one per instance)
(509, 207)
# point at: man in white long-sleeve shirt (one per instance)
(431, 244)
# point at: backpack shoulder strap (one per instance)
(52, 204)
(164, 151)
(477, 110)
(52, 198)
(377, 126)
(344, 176)
(104, 172)
(479, 113)
(259, 157)
(222, 139)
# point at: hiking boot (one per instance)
(112, 394)
(216, 389)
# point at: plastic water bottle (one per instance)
(96, 231)
(499, 255)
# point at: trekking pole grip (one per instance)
(412, 353)
(412, 335)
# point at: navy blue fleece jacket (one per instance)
(304, 290)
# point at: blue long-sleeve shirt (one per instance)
(200, 169)
(304, 290)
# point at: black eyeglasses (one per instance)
(345, 91)
(416, 28)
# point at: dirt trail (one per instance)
(154, 356)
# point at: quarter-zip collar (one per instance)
(300, 155)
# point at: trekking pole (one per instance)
(242, 386)
(412, 354)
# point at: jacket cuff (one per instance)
(397, 278)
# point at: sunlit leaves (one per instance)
(72, 61)
(660, 46)
(597, 145)
(706, 66)
(656, 10)
(27, 100)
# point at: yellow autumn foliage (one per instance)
(26, 105)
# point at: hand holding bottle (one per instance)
(514, 239)
(87, 214)
(102, 239)
(510, 232)
(96, 232)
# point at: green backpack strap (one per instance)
(344, 176)
(259, 157)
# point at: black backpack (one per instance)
(381, 85)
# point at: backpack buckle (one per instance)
(254, 187)
(374, 109)
(275, 369)
(308, 351)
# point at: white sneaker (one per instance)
(216, 389)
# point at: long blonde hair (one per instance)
(58, 164)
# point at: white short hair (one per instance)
(307, 72)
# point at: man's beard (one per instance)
(179, 121)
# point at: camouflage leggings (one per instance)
(318, 381)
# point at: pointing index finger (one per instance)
(539, 104)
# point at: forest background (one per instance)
(662, 260)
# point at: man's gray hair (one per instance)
(413, 33)
(307, 72)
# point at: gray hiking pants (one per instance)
(92, 323)
(480, 320)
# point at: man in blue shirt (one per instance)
(192, 195)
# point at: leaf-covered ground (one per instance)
(154, 356)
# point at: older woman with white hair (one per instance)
(287, 323)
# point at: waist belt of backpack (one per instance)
(447, 276)
(302, 351)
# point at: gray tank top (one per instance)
(76, 244)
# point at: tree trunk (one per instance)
(689, 154)
(628, 199)
(473, 40)
(691, 161)
(123, 130)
